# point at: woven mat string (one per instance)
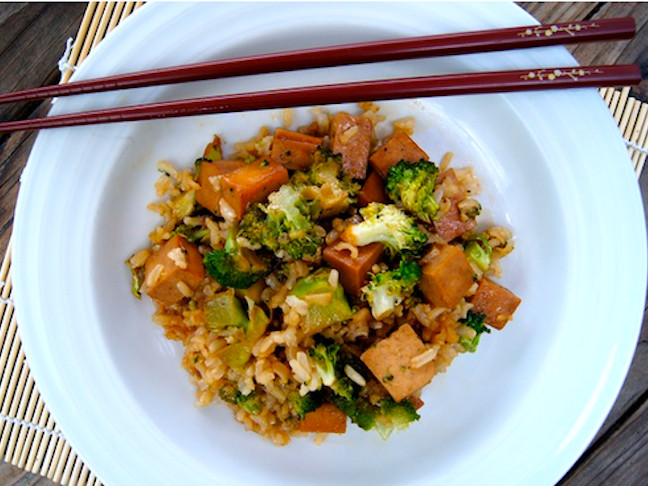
(37, 428)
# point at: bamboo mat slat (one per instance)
(29, 437)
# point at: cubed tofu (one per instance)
(327, 419)
(399, 147)
(209, 175)
(373, 190)
(252, 183)
(390, 360)
(174, 271)
(351, 137)
(293, 149)
(353, 271)
(446, 277)
(450, 224)
(496, 302)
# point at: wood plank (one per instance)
(32, 41)
(623, 459)
(621, 52)
(618, 454)
(14, 153)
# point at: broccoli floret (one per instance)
(476, 322)
(231, 394)
(384, 417)
(343, 387)
(389, 225)
(325, 358)
(286, 203)
(394, 415)
(193, 234)
(251, 402)
(330, 360)
(234, 266)
(412, 185)
(478, 251)
(388, 289)
(326, 186)
(360, 411)
(282, 225)
(304, 404)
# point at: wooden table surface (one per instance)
(32, 39)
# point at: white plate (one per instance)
(519, 411)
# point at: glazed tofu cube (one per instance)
(327, 419)
(351, 137)
(390, 360)
(447, 277)
(399, 147)
(251, 183)
(451, 225)
(373, 190)
(497, 302)
(209, 175)
(292, 149)
(353, 271)
(174, 271)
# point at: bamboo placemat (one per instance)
(29, 437)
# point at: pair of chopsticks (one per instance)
(359, 53)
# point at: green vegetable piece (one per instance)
(235, 267)
(343, 387)
(412, 185)
(193, 234)
(304, 404)
(137, 280)
(325, 357)
(476, 322)
(236, 355)
(478, 251)
(231, 394)
(251, 403)
(384, 417)
(258, 324)
(311, 285)
(388, 289)
(326, 188)
(225, 310)
(283, 225)
(389, 225)
(184, 204)
(320, 317)
(394, 416)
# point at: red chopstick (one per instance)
(366, 52)
(403, 88)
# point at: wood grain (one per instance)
(601, 52)
(32, 40)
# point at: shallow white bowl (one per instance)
(554, 168)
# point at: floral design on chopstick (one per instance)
(553, 74)
(543, 31)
